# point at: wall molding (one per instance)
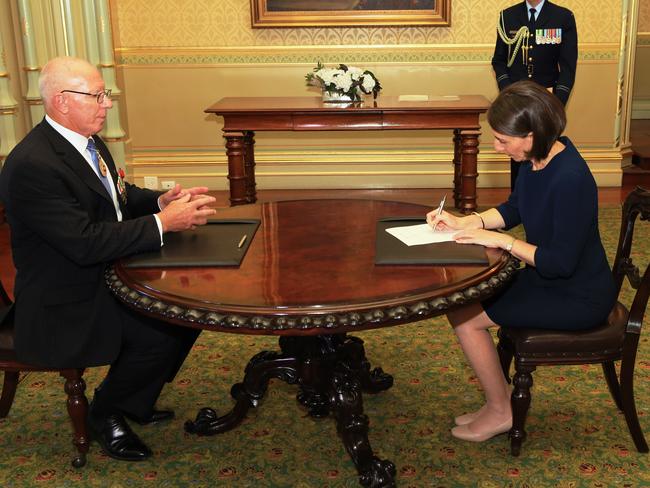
(256, 55)
(346, 168)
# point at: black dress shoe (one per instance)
(117, 439)
(155, 417)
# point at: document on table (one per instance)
(427, 98)
(415, 235)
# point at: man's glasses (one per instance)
(100, 96)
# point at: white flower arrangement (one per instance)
(344, 82)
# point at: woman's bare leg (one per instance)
(471, 326)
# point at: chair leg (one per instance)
(520, 401)
(629, 407)
(8, 392)
(609, 370)
(75, 387)
(505, 358)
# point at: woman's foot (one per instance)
(486, 425)
(469, 417)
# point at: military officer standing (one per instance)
(536, 40)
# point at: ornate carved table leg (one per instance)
(249, 166)
(456, 163)
(469, 172)
(371, 381)
(331, 371)
(315, 357)
(235, 150)
(260, 369)
(351, 423)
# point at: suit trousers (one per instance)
(151, 354)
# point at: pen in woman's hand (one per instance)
(440, 208)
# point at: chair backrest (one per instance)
(637, 203)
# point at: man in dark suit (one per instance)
(71, 213)
(546, 51)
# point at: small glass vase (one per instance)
(334, 97)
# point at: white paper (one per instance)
(415, 235)
(413, 98)
(427, 98)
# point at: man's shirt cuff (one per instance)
(160, 229)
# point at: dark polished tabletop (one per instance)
(309, 269)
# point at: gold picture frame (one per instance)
(320, 13)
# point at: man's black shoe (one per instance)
(117, 439)
(155, 417)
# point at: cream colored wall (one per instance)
(189, 54)
(642, 71)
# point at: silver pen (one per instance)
(440, 207)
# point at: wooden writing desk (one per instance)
(245, 115)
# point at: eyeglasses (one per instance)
(100, 96)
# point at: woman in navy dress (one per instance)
(566, 282)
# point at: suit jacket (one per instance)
(64, 231)
(552, 65)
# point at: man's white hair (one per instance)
(63, 73)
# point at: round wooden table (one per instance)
(310, 277)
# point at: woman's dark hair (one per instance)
(525, 107)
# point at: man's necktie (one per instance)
(531, 19)
(103, 175)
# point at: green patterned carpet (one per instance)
(576, 438)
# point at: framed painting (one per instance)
(318, 13)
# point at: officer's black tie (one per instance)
(531, 20)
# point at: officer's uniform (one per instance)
(550, 58)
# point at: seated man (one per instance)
(71, 214)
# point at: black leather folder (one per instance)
(390, 250)
(213, 244)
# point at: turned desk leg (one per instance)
(456, 163)
(249, 166)
(469, 172)
(236, 152)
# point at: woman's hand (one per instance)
(487, 238)
(447, 222)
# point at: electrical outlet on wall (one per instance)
(151, 182)
(167, 185)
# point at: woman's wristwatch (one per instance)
(510, 244)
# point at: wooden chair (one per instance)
(75, 386)
(617, 339)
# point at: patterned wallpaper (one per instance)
(644, 16)
(226, 23)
